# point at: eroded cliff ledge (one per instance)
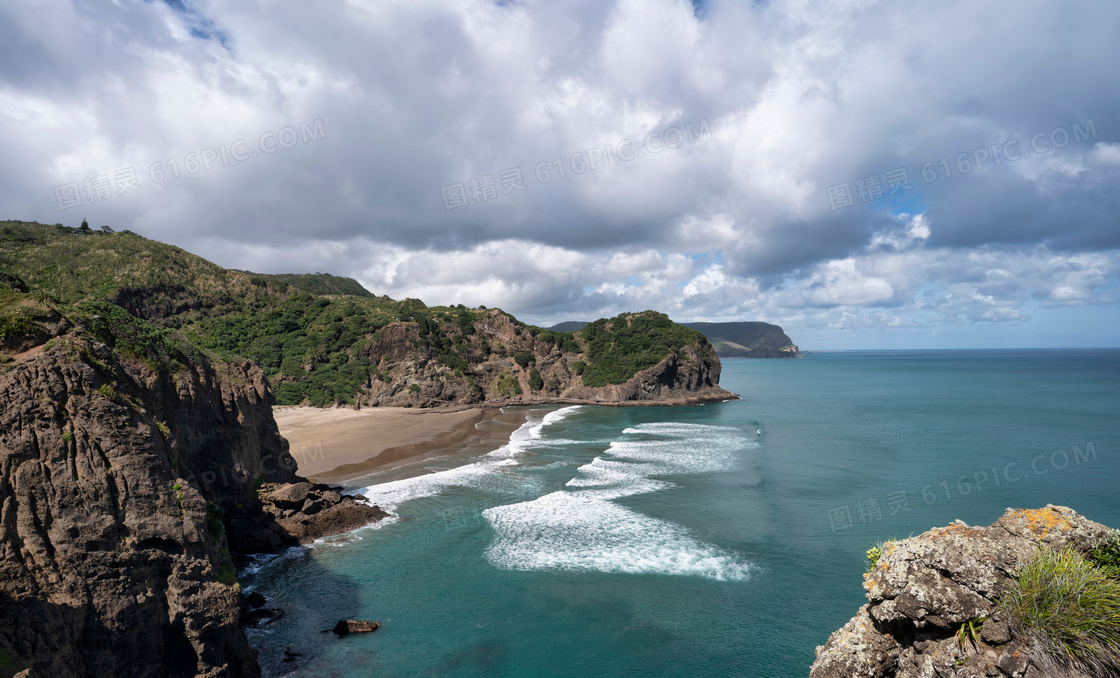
(933, 603)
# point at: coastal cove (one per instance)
(725, 539)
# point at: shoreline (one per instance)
(334, 445)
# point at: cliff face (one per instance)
(121, 466)
(414, 376)
(924, 589)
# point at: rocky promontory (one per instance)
(134, 469)
(938, 603)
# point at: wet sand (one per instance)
(336, 445)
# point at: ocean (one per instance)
(721, 540)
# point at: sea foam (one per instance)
(581, 529)
(488, 474)
(578, 531)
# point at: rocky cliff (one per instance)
(934, 604)
(129, 472)
(509, 364)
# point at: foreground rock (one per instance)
(923, 590)
(128, 478)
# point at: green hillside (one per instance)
(316, 283)
(319, 338)
(731, 340)
(747, 339)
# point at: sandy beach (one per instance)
(335, 445)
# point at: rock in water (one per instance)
(345, 627)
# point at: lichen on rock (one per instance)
(924, 591)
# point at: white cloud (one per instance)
(799, 95)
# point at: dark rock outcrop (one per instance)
(345, 627)
(923, 589)
(305, 511)
(128, 481)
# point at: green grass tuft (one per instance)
(1070, 609)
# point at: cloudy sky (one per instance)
(866, 174)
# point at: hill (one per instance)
(322, 284)
(323, 339)
(569, 326)
(731, 340)
(747, 339)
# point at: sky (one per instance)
(864, 174)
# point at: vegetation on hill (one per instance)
(621, 346)
(313, 283)
(320, 339)
(731, 340)
(569, 326)
(747, 339)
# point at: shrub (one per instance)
(1106, 554)
(523, 358)
(415, 388)
(568, 344)
(873, 555)
(535, 381)
(214, 516)
(506, 385)
(1069, 609)
(12, 325)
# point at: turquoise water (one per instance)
(683, 541)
